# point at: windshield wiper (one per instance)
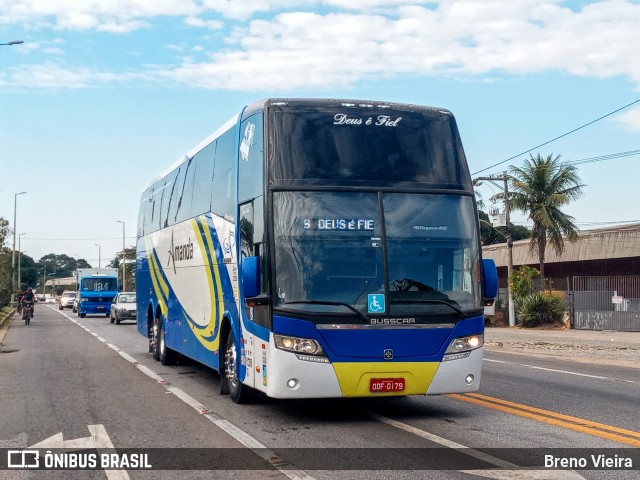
(422, 300)
(327, 302)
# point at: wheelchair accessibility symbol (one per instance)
(376, 303)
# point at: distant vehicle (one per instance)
(124, 307)
(48, 298)
(66, 300)
(76, 301)
(97, 287)
(41, 298)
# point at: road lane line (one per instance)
(230, 429)
(581, 425)
(258, 448)
(598, 377)
(443, 441)
(567, 372)
(509, 470)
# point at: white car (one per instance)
(123, 307)
(48, 298)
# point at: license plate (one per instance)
(99, 308)
(382, 385)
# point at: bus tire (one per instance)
(154, 339)
(165, 355)
(229, 381)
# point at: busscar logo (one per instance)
(178, 253)
(393, 321)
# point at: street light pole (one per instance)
(124, 278)
(99, 256)
(13, 256)
(19, 259)
(44, 276)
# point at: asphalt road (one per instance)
(64, 374)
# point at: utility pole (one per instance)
(124, 275)
(504, 178)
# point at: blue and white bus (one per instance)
(319, 248)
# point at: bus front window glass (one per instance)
(328, 249)
(432, 248)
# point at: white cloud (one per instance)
(630, 119)
(50, 76)
(198, 22)
(301, 49)
(104, 15)
(294, 50)
(244, 9)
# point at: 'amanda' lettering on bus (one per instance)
(365, 224)
(379, 121)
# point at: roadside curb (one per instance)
(4, 325)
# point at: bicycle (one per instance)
(27, 312)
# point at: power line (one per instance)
(558, 137)
(601, 158)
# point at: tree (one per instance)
(130, 268)
(540, 188)
(28, 272)
(60, 266)
(5, 231)
(5, 264)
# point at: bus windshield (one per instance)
(367, 146)
(330, 250)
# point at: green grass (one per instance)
(4, 312)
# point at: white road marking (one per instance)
(567, 372)
(238, 434)
(98, 440)
(509, 470)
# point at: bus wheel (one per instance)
(166, 355)
(229, 378)
(154, 339)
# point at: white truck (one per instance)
(97, 288)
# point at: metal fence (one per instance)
(606, 303)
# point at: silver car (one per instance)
(66, 300)
(123, 307)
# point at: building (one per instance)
(604, 252)
(600, 272)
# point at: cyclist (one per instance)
(27, 301)
(19, 297)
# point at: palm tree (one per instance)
(540, 188)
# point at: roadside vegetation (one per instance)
(539, 189)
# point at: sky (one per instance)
(104, 95)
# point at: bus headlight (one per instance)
(465, 344)
(308, 346)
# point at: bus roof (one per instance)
(226, 126)
(292, 102)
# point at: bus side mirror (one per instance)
(489, 280)
(251, 276)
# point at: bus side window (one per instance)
(251, 163)
(222, 191)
